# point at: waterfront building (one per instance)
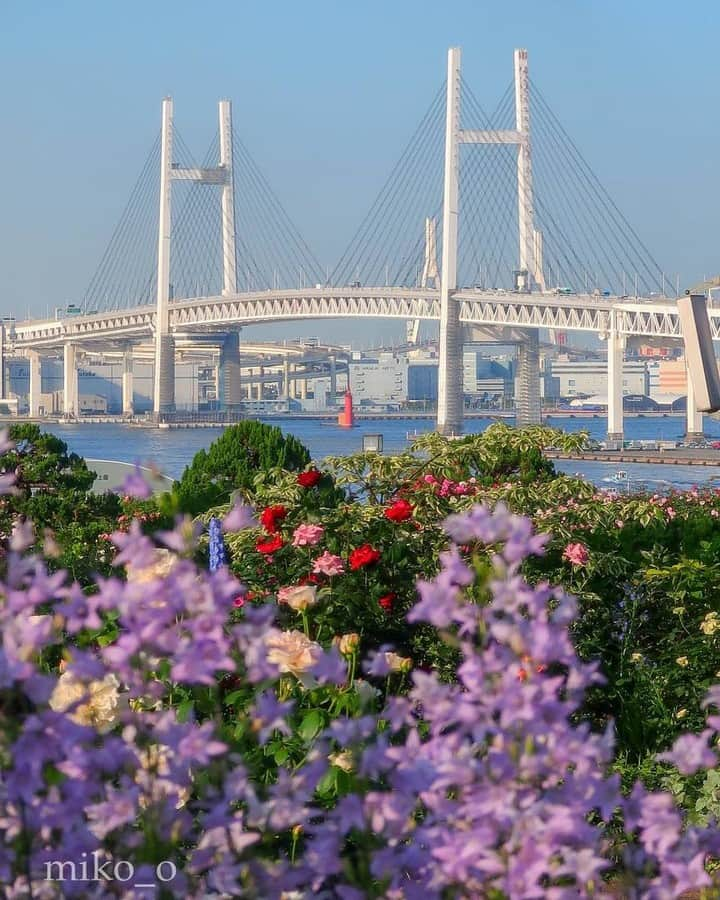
(564, 378)
(667, 378)
(196, 386)
(382, 378)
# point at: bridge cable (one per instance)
(348, 260)
(618, 220)
(394, 210)
(123, 230)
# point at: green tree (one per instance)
(233, 461)
(53, 492)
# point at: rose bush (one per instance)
(257, 761)
(644, 567)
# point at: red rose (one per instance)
(399, 511)
(270, 517)
(309, 579)
(269, 545)
(364, 555)
(309, 479)
(387, 601)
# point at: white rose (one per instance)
(298, 598)
(101, 708)
(159, 568)
(292, 651)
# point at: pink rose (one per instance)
(307, 535)
(577, 554)
(328, 564)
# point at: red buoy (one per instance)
(346, 418)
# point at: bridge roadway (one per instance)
(578, 312)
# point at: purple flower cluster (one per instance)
(217, 551)
(478, 788)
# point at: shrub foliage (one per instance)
(233, 461)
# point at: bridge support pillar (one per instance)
(450, 386)
(164, 374)
(71, 405)
(694, 430)
(35, 366)
(528, 410)
(164, 382)
(229, 286)
(128, 408)
(286, 380)
(230, 388)
(303, 388)
(616, 359)
(333, 380)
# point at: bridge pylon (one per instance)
(530, 247)
(450, 392)
(221, 175)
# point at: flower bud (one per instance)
(349, 643)
(342, 760)
(398, 663)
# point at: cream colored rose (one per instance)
(298, 598)
(343, 760)
(398, 663)
(160, 568)
(710, 624)
(349, 643)
(101, 708)
(292, 651)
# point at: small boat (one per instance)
(619, 477)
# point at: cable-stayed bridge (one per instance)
(490, 228)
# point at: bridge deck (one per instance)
(504, 309)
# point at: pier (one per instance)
(682, 456)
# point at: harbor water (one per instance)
(171, 450)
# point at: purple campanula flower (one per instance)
(216, 546)
(690, 753)
(239, 518)
(331, 668)
(135, 485)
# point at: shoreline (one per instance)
(329, 417)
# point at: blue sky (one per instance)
(325, 96)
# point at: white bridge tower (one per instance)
(222, 175)
(530, 270)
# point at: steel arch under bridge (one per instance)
(580, 312)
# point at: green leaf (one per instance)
(184, 710)
(230, 698)
(311, 725)
(281, 755)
